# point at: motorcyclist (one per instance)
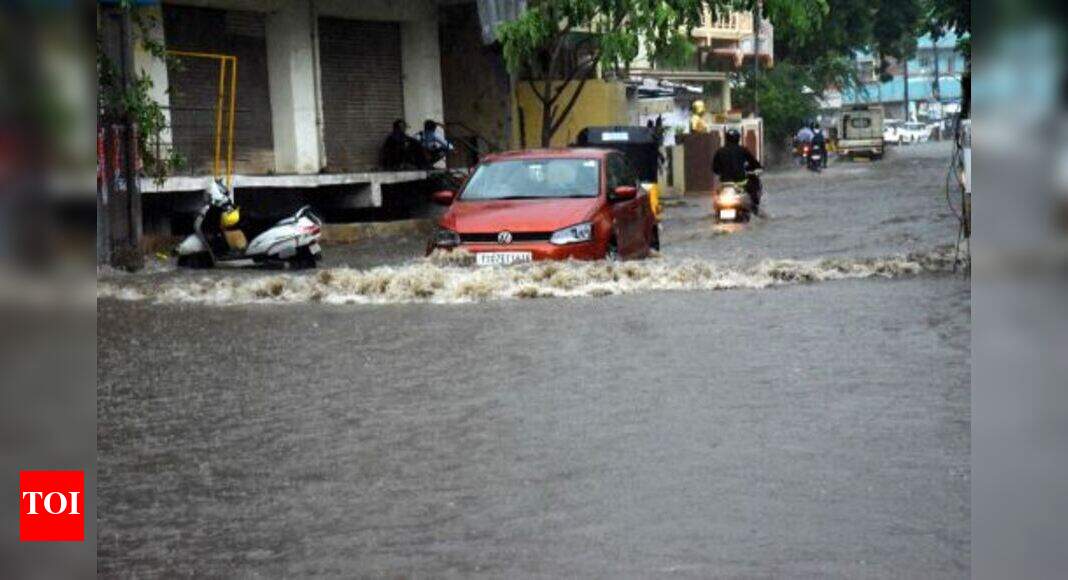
(734, 163)
(804, 137)
(819, 143)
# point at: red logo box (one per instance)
(51, 506)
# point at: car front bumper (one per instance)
(591, 250)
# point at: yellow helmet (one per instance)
(699, 107)
(230, 218)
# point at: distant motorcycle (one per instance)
(218, 237)
(814, 157)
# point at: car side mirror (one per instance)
(624, 192)
(443, 197)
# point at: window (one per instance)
(533, 179)
(860, 122)
(619, 173)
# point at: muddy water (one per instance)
(811, 420)
(855, 220)
(451, 278)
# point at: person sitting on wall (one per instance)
(399, 150)
(434, 145)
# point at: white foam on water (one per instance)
(446, 278)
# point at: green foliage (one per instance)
(614, 32)
(116, 102)
(785, 100)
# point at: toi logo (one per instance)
(52, 506)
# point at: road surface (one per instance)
(785, 398)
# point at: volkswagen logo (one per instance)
(504, 238)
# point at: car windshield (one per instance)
(914, 126)
(533, 179)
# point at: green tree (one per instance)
(786, 101)
(955, 15)
(117, 101)
(609, 33)
(815, 41)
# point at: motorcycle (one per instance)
(734, 202)
(217, 236)
(814, 157)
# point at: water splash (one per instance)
(451, 278)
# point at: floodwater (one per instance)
(788, 397)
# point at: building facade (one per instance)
(318, 84)
(932, 77)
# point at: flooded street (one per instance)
(788, 397)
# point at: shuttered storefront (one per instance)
(360, 64)
(194, 85)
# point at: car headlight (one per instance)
(573, 234)
(446, 238)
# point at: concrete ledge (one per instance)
(199, 182)
(350, 233)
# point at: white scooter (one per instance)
(293, 240)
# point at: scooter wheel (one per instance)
(197, 261)
(304, 260)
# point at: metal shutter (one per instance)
(194, 85)
(362, 94)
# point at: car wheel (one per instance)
(611, 253)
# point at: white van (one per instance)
(860, 131)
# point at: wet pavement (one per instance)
(809, 418)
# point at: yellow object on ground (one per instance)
(230, 218)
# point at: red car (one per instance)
(549, 204)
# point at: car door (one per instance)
(625, 213)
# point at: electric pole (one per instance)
(756, 56)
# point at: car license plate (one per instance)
(816, 157)
(315, 249)
(728, 214)
(502, 258)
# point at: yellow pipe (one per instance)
(230, 143)
(218, 121)
(223, 60)
(198, 54)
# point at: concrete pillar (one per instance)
(421, 66)
(156, 68)
(725, 95)
(292, 75)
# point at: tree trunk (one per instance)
(546, 123)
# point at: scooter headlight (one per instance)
(573, 234)
(729, 197)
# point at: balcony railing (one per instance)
(730, 26)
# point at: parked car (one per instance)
(549, 204)
(914, 132)
(892, 132)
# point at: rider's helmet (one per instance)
(698, 107)
(733, 136)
